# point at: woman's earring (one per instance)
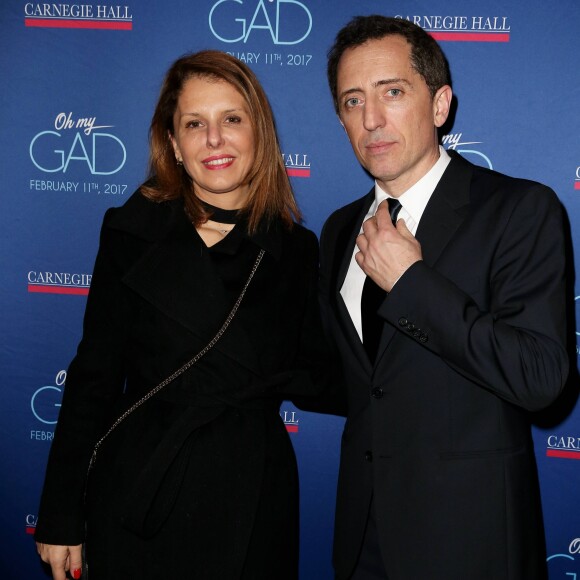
(179, 161)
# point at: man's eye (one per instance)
(352, 102)
(394, 92)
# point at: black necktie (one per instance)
(371, 299)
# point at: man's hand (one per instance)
(385, 251)
(62, 559)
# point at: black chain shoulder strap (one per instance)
(182, 369)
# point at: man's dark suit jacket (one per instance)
(438, 430)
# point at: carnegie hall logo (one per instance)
(297, 164)
(30, 526)
(291, 420)
(474, 28)
(471, 150)
(64, 15)
(563, 446)
(58, 282)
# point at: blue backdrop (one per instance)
(79, 83)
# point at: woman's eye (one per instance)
(234, 119)
(193, 124)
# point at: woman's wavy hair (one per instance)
(271, 194)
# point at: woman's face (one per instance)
(214, 138)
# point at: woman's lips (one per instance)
(218, 162)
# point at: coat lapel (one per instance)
(176, 276)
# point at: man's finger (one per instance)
(369, 226)
(404, 230)
(362, 243)
(383, 216)
(402, 227)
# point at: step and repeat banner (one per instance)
(79, 83)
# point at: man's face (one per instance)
(388, 113)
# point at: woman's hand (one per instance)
(62, 559)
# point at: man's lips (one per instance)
(218, 162)
(379, 147)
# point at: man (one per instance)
(437, 477)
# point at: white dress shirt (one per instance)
(413, 204)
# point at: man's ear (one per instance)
(442, 105)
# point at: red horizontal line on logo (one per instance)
(563, 453)
(291, 428)
(297, 172)
(577, 184)
(83, 290)
(30, 529)
(61, 23)
(472, 36)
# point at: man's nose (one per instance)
(373, 115)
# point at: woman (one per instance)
(200, 480)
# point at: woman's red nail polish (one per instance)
(77, 573)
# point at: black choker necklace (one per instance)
(223, 216)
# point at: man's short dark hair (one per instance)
(427, 58)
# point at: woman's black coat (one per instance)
(201, 481)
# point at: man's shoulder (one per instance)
(488, 183)
(347, 212)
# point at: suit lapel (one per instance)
(346, 239)
(445, 211)
(344, 248)
(443, 215)
(176, 276)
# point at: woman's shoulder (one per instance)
(300, 245)
(299, 240)
(143, 217)
(302, 234)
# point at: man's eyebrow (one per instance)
(391, 82)
(376, 84)
(348, 92)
